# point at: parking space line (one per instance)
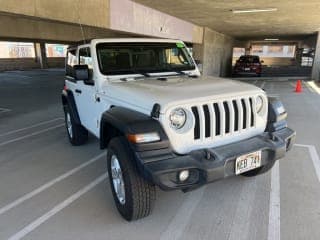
(314, 157)
(180, 221)
(313, 86)
(33, 225)
(274, 205)
(30, 135)
(274, 210)
(262, 85)
(31, 126)
(49, 184)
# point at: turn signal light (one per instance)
(143, 137)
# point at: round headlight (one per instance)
(259, 104)
(177, 118)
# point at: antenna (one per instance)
(79, 20)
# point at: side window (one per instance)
(70, 62)
(86, 59)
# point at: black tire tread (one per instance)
(143, 193)
(80, 134)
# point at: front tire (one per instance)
(77, 134)
(133, 195)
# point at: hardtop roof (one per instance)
(122, 40)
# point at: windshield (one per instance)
(131, 58)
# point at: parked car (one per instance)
(248, 65)
(162, 123)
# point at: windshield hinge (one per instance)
(155, 113)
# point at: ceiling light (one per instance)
(255, 10)
(271, 39)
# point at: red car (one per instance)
(248, 65)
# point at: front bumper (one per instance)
(208, 165)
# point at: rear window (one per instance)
(249, 59)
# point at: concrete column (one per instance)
(197, 51)
(41, 54)
(316, 61)
(215, 53)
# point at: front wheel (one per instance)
(133, 195)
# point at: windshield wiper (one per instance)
(179, 72)
(144, 74)
(158, 77)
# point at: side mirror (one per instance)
(197, 61)
(81, 72)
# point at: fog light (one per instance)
(183, 175)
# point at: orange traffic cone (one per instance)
(298, 87)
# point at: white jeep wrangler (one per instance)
(162, 123)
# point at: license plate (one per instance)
(247, 69)
(248, 162)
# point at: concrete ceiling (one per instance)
(293, 17)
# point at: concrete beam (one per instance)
(91, 13)
(60, 20)
(17, 27)
(128, 16)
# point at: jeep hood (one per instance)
(144, 93)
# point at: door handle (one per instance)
(78, 91)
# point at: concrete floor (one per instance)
(51, 190)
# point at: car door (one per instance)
(85, 94)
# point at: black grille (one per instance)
(252, 114)
(227, 117)
(244, 114)
(217, 116)
(207, 120)
(224, 117)
(236, 115)
(197, 123)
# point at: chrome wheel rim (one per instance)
(69, 125)
(117, 179)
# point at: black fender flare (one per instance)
(68, 100)
(120, 121)
(276, 120)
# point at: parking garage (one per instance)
(52, 190)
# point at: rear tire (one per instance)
(77, 134)
(133, 195)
